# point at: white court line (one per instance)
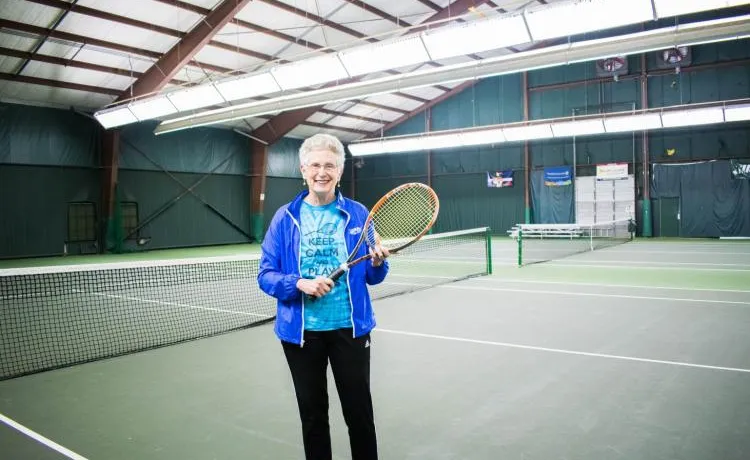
(650, 262)
(159, 302)
(41, 439)
(567, 352)
(667, 266)
(567, 283)
(590, 294)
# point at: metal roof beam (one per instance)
(74, 38)
(280, 125)
(170, 63)
(58, 84)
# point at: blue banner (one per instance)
(500, 179)
(558, 176)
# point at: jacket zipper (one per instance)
(299, 270)
(348, 286)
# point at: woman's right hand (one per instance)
(317, 287)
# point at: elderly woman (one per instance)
(319, 320)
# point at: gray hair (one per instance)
(322, 142)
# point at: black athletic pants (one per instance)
(350, 363)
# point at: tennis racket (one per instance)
(398, 220)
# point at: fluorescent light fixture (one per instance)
(482, 137)
(366, 148)
(441, 141)
(572, 18)
(695, 115)
(247, 86)
(408, 144)
(385, 55)
(115, 117)
(636, 122)
(155, 107)
(627, 44)
(667, 8)
(737, 113)
(309, 72)
(195, 97)
(692, 117)
(577, 128)
(476, 36)
(528, 133)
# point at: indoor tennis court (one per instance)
(583, 358)
(564, 184)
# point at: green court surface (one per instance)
(636, 351)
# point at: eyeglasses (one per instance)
(328, 167)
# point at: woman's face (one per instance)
(321, 172)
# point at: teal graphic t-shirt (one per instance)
(323, 250)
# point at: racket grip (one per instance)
(338, 272)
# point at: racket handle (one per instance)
(337, 273)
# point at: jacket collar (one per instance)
(296, 203)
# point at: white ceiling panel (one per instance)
(274, 18)
(191, 74)
(362, 21)
(150, 11)
(235, 35)
(39, 94)
(320, 117)
(372, 112)
(119, 33)
(29, 13)
(219, 57)
(210, 4)
(427, 92)
(353, 123)
(330, 38)
(410, 11)
(322, 8)
(76, 75)
(292, 52)
(18, 40)
(304, 131)
(394, 101)
(9, 64)
(95, 55)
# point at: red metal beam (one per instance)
(58, 84)
(13, 25)
(280, 125)
(175, 59)
(71, 63)
(465, 85)
(248, 25)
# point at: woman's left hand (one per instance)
(378, 254)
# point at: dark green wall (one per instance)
(722, 72)
(34, 206)
(50, 157)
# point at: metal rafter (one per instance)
(22, 27)
(73, 63)
(43, 40)
(280, 125)
(248, 25)
(58, 84)
(176, 58)
(127, 73)
(458, 89)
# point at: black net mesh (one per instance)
(53, 317)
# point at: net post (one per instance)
(488, 243)
(520, 246)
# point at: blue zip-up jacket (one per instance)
(280, 269)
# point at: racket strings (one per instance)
(403, 216)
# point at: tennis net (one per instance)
(57, 316)
(547, 242)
